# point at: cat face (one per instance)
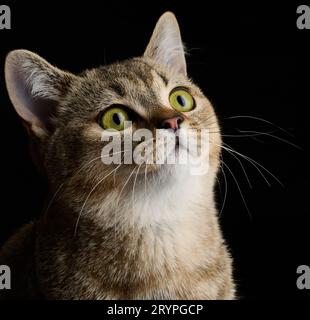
(70, 116)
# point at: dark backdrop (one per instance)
(250, 60)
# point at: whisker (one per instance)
(249, 160)
(258, 164)
(240, 191)
(241, 165)
(145, 176)
(226, 190)
(92, 190)
(119, 196)
(118, 199)
(134, 184)
(273, 136)
(53, 198)
(244, 135)
(96, 158)
(262, 120)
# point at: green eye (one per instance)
(114, 118)
(181, 100)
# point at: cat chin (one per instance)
(169, 174)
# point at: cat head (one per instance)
(68, 116)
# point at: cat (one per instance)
(112, 232)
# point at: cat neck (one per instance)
(139, 205)
(155, 235)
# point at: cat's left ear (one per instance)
(35, 88)
(166, 47)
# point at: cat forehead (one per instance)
(136, 72)
(135, 81)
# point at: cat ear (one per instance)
(35, 88)
(166, 47)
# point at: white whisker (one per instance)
(240, 191)
(226, 190)
(92, 190)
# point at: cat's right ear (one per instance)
(166, 47)
(35, 88)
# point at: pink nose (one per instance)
(172, 123)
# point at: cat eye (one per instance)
(114, 118)
(181, 100)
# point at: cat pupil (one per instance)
(181, 100)
(116, 119)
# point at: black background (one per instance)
(249, 59)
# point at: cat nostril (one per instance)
(166, 125)
(172, 123)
